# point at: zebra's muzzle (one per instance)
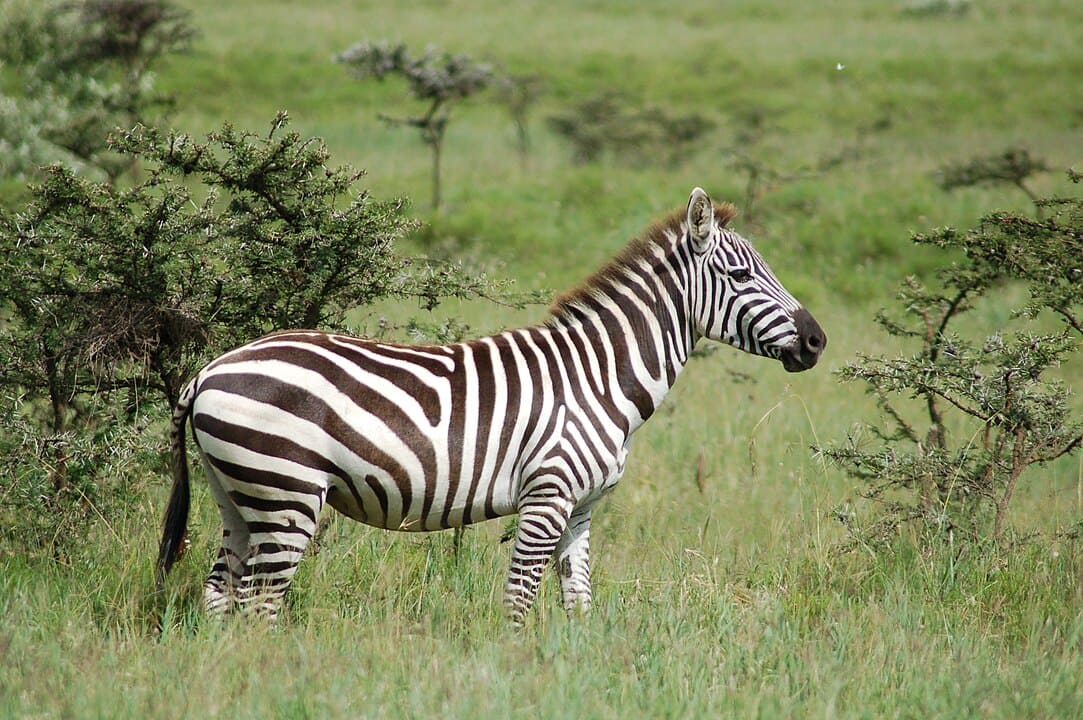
(811, 341)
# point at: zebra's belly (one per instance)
(457, 497)
(438, 506)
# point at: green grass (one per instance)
(732, 601)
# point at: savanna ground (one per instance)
(720, 586)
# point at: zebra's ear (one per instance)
(700, 219)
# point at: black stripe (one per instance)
(622, 353)
(269, 505)
(253, 476)
(266, 444)
(486, 400)
(515, 392)
(457, 436)
(271, 527)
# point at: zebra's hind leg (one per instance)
(270, 569)
(280, 530)
(541, 524)
(227, 574)
(572, 561)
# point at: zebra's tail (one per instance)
(175, 526)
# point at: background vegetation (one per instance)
(727, 576)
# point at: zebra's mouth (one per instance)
(795, 361)
(804, 353)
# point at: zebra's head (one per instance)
(738, 300)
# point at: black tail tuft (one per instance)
(175, 526)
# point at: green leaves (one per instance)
(995, 393)
(432, 76)
(438, 79)
(227, 238)
(83, 68)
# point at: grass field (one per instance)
(730, 600)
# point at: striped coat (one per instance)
(534, 421)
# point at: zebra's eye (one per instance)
(740, 275)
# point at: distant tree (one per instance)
(84, 68)
(750, 154)
(518, 94)
(436, 78)
(937, 8)
(1014, 166)
(609, 123)
(996, 393)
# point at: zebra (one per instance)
(534, 421)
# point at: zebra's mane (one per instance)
(658, 235)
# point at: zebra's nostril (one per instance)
(814, 343)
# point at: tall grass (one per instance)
(719, 587)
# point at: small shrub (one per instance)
(990, 409)
(1014, 166)
(607, 124)
(937, 8)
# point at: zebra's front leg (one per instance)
(541, 525)
(572, 560)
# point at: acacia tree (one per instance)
(437, 79)
(111, 297)
(111, 289)
(629, 131)
(518, 94)
(1014, 166)
(989, 408)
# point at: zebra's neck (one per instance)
(634, 316)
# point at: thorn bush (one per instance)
(989, 407)
(110, 298)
